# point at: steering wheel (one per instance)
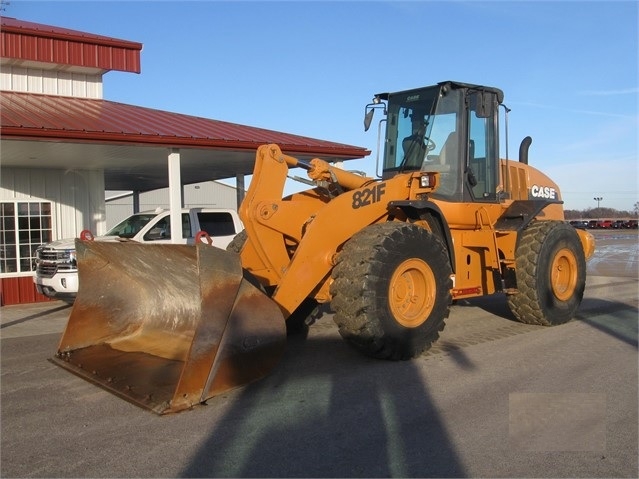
(429, 144)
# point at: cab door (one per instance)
(482, 163)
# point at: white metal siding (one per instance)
(76, 196)
(210, 194)
(51, 82)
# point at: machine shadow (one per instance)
(494, 304)
(39, 315)
(619, 320)
(329, 411)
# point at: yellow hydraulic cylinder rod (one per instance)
(320, 170)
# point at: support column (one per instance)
(239, 188)
(136, 202)
(175, 195)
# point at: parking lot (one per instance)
(493, 398)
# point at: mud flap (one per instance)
(168, 326)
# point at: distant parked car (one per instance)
(604, 224)
(618, 224)
(583, 224)
(630, 224)
(592, 224)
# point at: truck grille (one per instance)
(53, 255)
(51, 261)
(47, 270)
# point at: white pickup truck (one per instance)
(56, 268)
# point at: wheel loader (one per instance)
(169, 326)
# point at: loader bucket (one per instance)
(168, 326)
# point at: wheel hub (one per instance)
(563, 274)
(412, 293)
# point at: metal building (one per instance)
(62, 145)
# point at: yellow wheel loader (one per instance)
(170, 326)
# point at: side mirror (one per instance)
(370, 111)
(155, 234)
(368, 118)
(484, 105)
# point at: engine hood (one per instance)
(66, 243)
(69, 243)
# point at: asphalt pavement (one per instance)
(493, 398)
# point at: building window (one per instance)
(24, 227)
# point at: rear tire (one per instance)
(391, 290)
(550, 267)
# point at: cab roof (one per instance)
(453, 85)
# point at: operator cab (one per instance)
(450, 128)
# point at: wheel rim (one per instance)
(412, 293)
(563, 274)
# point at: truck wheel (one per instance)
(391, 290)
(550, 268)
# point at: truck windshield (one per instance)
(131, 226)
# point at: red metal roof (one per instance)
(28, 41)
(47, 117)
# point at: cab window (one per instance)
(162, 229)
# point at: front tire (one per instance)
(391, 290)
(550, 268)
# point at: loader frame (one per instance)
(293, 242)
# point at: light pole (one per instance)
(597, 199)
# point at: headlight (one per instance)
(426, 181)
(73, 259)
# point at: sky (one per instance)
(569, 70)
